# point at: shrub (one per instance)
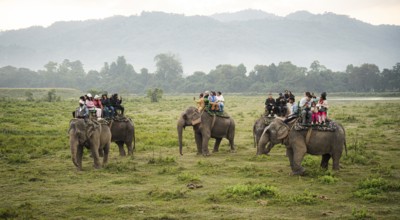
(162, 160)
(306, 198)
(188, 177)
(360, 214)
(253, 191)
(327, 179)
(357, 153)
(372, 188)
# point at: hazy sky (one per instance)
(15, 14)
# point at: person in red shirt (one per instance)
(98, 106)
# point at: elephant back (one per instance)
(223, 114)
(329, 126)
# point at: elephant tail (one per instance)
(254, 136)
(344, 136)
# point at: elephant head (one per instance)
(82, 135)
(273, 134)
(190, 117)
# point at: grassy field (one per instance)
(39, 181)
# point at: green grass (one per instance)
(39, 181)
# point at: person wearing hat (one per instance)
(98, 106)
(89, 102)
(81, 111)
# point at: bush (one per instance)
(357, 153)
(155, 94)
(360, 214)
(370, 189)
(188, 177)
(306, 198)
(253, 191)
(327, 179)
(29, 96)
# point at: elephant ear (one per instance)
(92, 128)
(196, 118)
(283, 131)
(196, 121)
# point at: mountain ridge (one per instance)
(202, 42)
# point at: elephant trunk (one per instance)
(180, 127)
(270, 145)
(73, 142)
(262, 143)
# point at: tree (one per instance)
(169, 70)
(29, 96)
(364, 78)
(316, 67)
(51, 96)
(155, 94)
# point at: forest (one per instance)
(120, 76)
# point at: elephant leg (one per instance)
(79, 155)
(74, 148)
(106, 150)
(121, 148)
(335, 159)
(289, 154)
(232, 144)
(198, 140)
(95, 154)
(325, 161)
(101, 152)
(130, 148)
(217, 143)
(205, 140)
(298, 155)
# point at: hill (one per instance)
(248, 37)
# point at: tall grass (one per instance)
(39, 181)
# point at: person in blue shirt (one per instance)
(294, 110)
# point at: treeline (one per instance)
(120, 76)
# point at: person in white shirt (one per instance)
(220, 101)
(305, 106)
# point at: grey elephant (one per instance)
(206, 126)
(299, 142)
(258, 128)
(123, 132)
(90, 134)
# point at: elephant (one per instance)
(299, 142)
(206, 126)
(123, 132)
(90, 134)
(258, 128)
